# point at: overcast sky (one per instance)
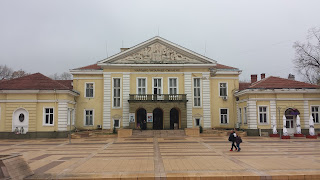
(58, 35)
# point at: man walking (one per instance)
(232, 138)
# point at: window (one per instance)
(245, 115)
(240, 116)
(70, 116)
(89, 90)
(48, 116)
(197, 121)
(263, 114)
(142, 86)
(116, 123)
(196, 92)
(173, 86)
(116, 92)
(88, 118)
(223, 89)
(224, 116)
(315, 113)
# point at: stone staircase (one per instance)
(158, 133)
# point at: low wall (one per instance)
(192, 131)
(33, 135)
(124, 133)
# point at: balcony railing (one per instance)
(158, 97)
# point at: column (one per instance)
(62, 116)
(188, 92)
(306, 115)
(206, 100)
(125, 98)
(252, 115)
(106, 100)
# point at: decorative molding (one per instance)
(276, 91)
(85, 78)
(252, 114)
(280, 99)
(72, 92)
(36, 101)
(224, 78)
(86, 72)
(188, 92)
(206, 100)
(62, 116)
(273, 110)
(106, 100)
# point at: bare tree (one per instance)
(5, 72)
(63, 76)
(307, 57)
(19, 73)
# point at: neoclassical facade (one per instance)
(156, 85)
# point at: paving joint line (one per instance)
(159, 171)
(237, 161)
(81, 161)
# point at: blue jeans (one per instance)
(238, 145)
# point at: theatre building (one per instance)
(156, 85)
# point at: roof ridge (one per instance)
(258, 82)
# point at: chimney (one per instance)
(291, 77)
(123, 49)
(254, 78)
(263, 75)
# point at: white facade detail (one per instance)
(273, 110)
(188, 92)
(306, 114)
(106, 100)
(252, 115)
(62, 116)
(206, 100)
(125, 98)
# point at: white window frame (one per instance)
(245, 115)
(313, 113)
(112, 101)
(240, 116)
(195, 121)
(85, 89)
(137, 80)
(161, 84)
(200, 106)
(44, 116)
(227, 116)
(119, 123)
(267, 114)
(226, 89)
(84, 117)
(177, 87)
(70, 116)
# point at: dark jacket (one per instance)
(238, 140)
(231, 137)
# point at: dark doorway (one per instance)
(142, 118)
(174, 118)
(157, 119)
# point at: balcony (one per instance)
(157, 97)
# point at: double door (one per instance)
(157, 89)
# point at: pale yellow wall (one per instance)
(242, 105)
(95, 103)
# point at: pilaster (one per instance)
(188, 92)
(125, 98)
(106, 100)
(206, 100)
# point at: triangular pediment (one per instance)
(157, 51)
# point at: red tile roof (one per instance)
(91, 67)
(67, 83)
(220, 66)
(243, 85)
(35, 81)
(280, 83)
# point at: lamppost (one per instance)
(279, 108)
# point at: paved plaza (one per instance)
(171, 158)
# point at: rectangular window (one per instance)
(197, 121)
(88, 118)
(89, 90)
(142, 86)
(263, 114)
(245, 115)
(116, 123)
(173, 89)
(315, 113)
(196, 92)
(240, 116)
(224, 116)
(48, 116)
(223, 89)
(116, 92)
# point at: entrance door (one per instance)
(142, 118)
(157, 88)
(174, 118)
(290, 125)
(157, 119)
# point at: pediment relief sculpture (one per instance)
(157, 53)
